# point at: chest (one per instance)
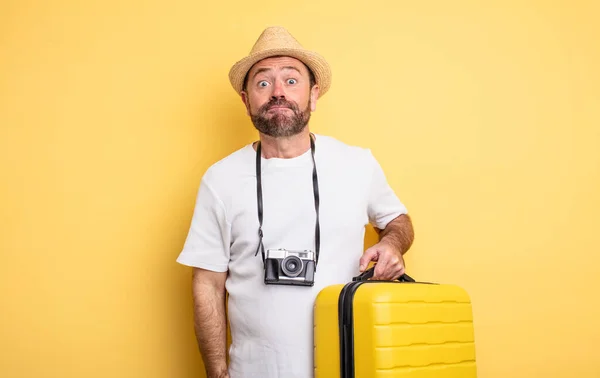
(288, 202)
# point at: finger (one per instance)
(400, 268)
(369, 255)
(381, 267)
(398, 271)
(393, 267)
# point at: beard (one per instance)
(281, 124)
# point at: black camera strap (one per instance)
(261, 246)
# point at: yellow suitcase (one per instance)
(389, 329)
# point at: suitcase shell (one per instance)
(389, 329)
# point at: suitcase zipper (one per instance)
(346, 330)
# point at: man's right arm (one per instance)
(208, 290)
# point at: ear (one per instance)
(314, 95)
(246, 101)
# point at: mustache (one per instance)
(278, 102)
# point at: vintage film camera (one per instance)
(285, 267)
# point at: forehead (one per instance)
(278, 63)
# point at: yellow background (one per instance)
(484, 115)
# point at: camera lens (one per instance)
(291, 266)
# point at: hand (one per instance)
(390, 262)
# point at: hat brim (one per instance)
(317, 64)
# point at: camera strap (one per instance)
(261, 246)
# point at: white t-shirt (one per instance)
(272, 325)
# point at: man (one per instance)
(293, 190)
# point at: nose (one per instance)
(278, 91)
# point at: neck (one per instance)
(285, 147)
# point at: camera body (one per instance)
(286, 267)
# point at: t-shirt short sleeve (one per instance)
(384, 205)
(208, 240)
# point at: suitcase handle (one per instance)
(371, 271)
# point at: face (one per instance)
(278, 96)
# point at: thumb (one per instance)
(366, 258)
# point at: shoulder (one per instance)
(339, 151)
(230, 168)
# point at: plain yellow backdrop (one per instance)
(484, 115)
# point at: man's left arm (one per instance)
(394, 241)
(398, 233)
(390, 218)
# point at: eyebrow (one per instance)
(265, 69)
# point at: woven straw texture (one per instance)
(277, 41)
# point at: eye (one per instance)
(263, 83)
(292, 81)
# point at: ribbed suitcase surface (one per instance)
(394, 329)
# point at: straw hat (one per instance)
(277, 41)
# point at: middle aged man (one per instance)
(278, 220)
